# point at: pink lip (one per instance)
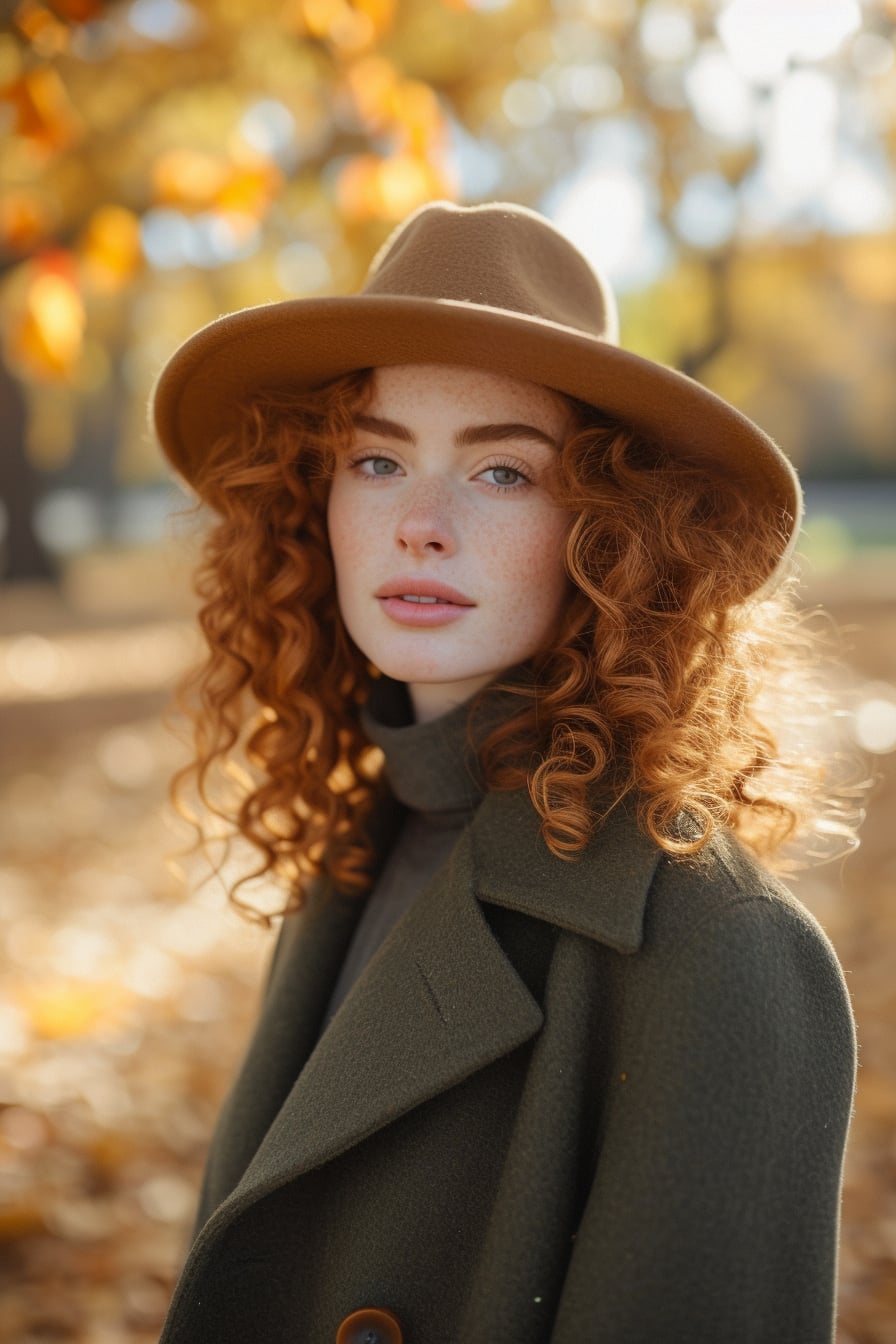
(450, 607)
(423, 588)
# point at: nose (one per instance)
(425, 527)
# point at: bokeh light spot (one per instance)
(126, 758)
(168, 21)
(706, 212)
(302, 268)
(67, 521)
(666, 31)
(14, 1037)
(872, 55)
(875, 721)
(595, 87)
(33, 662)
(269, 127)
(720, 96)
(166, 1198)
(764, 37)
(151, 973)
(826, 543)
(527, 103)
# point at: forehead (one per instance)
(471, 393)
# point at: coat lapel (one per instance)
(600, 892)
(440, 999)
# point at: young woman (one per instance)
(501, 640)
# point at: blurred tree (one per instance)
(21, 553)
(729, 162)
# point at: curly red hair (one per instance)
(669, 681)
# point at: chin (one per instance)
(404, 669)
(403, 666)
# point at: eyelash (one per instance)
(507, 465)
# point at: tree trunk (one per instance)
(22, 557)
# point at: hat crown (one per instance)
(498, 255)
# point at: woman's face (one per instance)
(443, 486)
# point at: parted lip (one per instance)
(401, 587)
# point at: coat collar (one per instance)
(438, 1001)
(600, 892)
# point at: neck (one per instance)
(430, 700)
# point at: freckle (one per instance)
(622, 1077)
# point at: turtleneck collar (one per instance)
(429, 766)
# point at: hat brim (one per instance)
(303, 343)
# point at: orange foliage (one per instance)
(250, 190)
(24, 220)
(188, 177)
(43, 110)
(372, 187)
(42, 29)
(110, 247)
(347, 26)
(78, 11)
(200, 181)
(46, 331)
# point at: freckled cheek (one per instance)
(526, 558)
(350, 538)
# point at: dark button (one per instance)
(370, 1325)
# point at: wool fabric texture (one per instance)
(600, 1101)
(429, 773)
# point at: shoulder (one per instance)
(725, 939)
(724, 888)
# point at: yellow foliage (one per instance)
(672, 317)
(10, 60)
(868, 265)
(735, 373)
(776, 296)
(46, 333)
(249, 190)
(348, 27)
(871, 419)
(320, 15)
(110, 247)
(384, 101)
(370, 82)
(371, 187)
(417, 114)
(199, 181)
(63, 1010)
(381, 13)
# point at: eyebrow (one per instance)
(465, 438)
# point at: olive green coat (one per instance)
(592, 1102)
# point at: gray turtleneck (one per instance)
(430, 771)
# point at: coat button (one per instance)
(370, 1325)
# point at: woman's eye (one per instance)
(506, 476)
(376, 466)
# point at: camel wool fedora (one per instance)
(496, 286)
